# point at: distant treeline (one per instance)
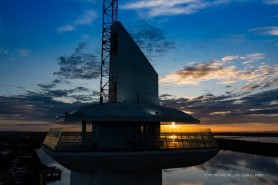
(250, 147)
(255, 134)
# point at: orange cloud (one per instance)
(210, 71)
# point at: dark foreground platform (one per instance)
(132, 160)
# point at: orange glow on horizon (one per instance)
(19, 125)
(247, 127)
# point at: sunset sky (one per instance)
(216, 59)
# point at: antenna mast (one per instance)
(108, 51)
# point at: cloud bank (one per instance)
(86, 19)
(154, 8)
(225, 70)
(270, 30)
(153, 41)
(271, 2)
(253, 108)
(208, 71)
(79, 65)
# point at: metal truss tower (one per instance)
(109, 51)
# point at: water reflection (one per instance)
(225, 168)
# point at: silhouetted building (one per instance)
(125, 133)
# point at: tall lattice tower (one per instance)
(108, 82)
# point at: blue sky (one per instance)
(215, 58)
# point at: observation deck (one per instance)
(172, 149)
(58, 140)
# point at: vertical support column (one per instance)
(145, 135)
(92, 135)
(83, 132)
